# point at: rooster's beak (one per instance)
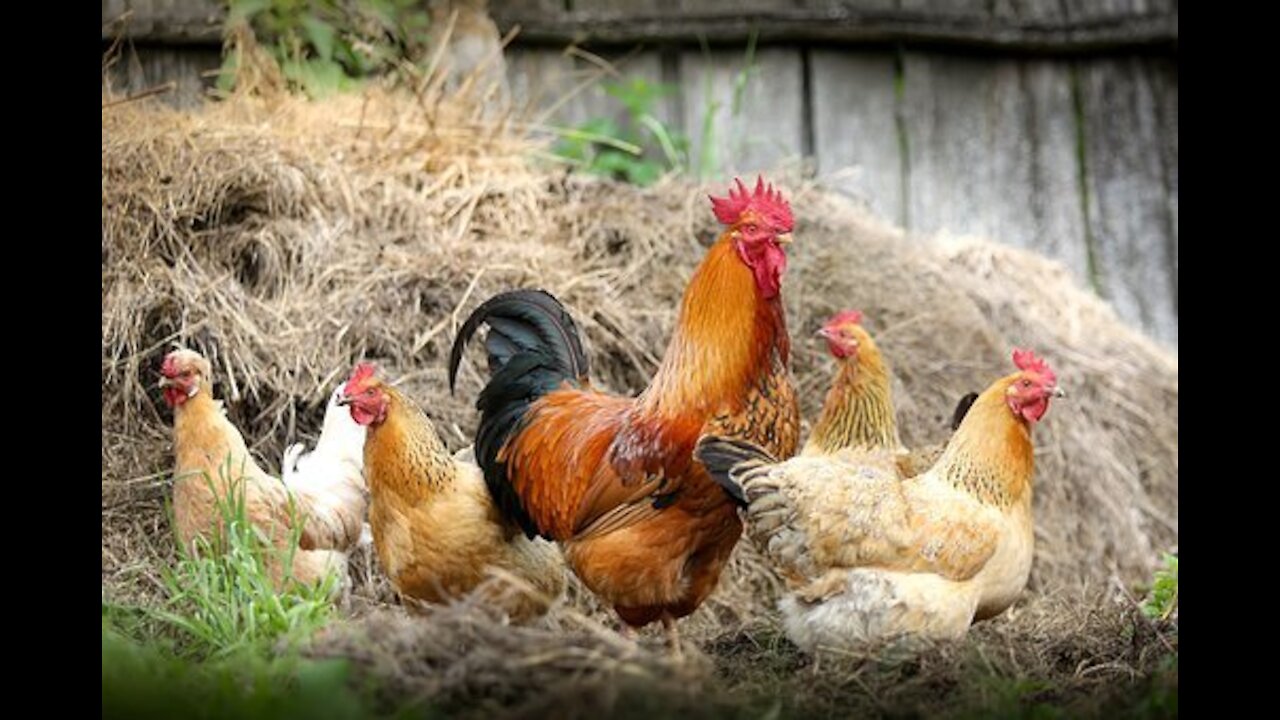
(164, 382)
(823, 332)
(344, 400)
(784, 239)
(1059, 392)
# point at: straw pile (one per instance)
(286, 240)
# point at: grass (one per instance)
(225, 643)
(141, 680)
(1163, 599)
(220, 596)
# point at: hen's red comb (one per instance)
(764, 201)
(169, 368)
(363, 372)
(1028, 361)
(845, 317)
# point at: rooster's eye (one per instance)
(369, 392)
(751, 228)
(1026, 383)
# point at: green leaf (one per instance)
(612, 161)
(637, 95)
(245, 10)
(320, 34)
(227, 73)
(320, 78)
(1163, 598)
(644, 172)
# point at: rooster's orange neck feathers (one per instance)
(724, 338)
(991, 455)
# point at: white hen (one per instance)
(335, 468)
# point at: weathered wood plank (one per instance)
(1086, 11)
(1028, 25)
(1056, 204)
(545, 80)
(992, 151)
(147, 67)
(751, 131)
(545, 77)
(855, 134)
(667, 8)
(1164, 75)
(177, 22)
(1130, 218)
(1043, 11)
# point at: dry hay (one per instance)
(286, 240)
(1083, 651)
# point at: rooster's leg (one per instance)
(673, 636)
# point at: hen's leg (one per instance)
(673, 636)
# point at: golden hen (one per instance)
(436, 530)
(859, 410)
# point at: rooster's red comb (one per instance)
(764, 201)
(1028, 361)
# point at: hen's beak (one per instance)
(344, 400)
(1059, 392)
(785, 239)
(165, 382)
(823, 332)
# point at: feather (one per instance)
(528, 320)
(726, 459)
(962, 409)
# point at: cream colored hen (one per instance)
(211, 457)
(868, 557)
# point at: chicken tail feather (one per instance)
(728, 461)
(533, 347)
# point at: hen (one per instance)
(859, 410)
(211, 458)
(868, 557)
(337, 459)
(436, 531)
(613, 478)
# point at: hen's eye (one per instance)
(751, 228)
(1026, 383)
(369, 392)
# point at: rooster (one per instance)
(436, 530)
(859, 410)
(870, 558)
(338, 457)
(211, 456)
(613, 478)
